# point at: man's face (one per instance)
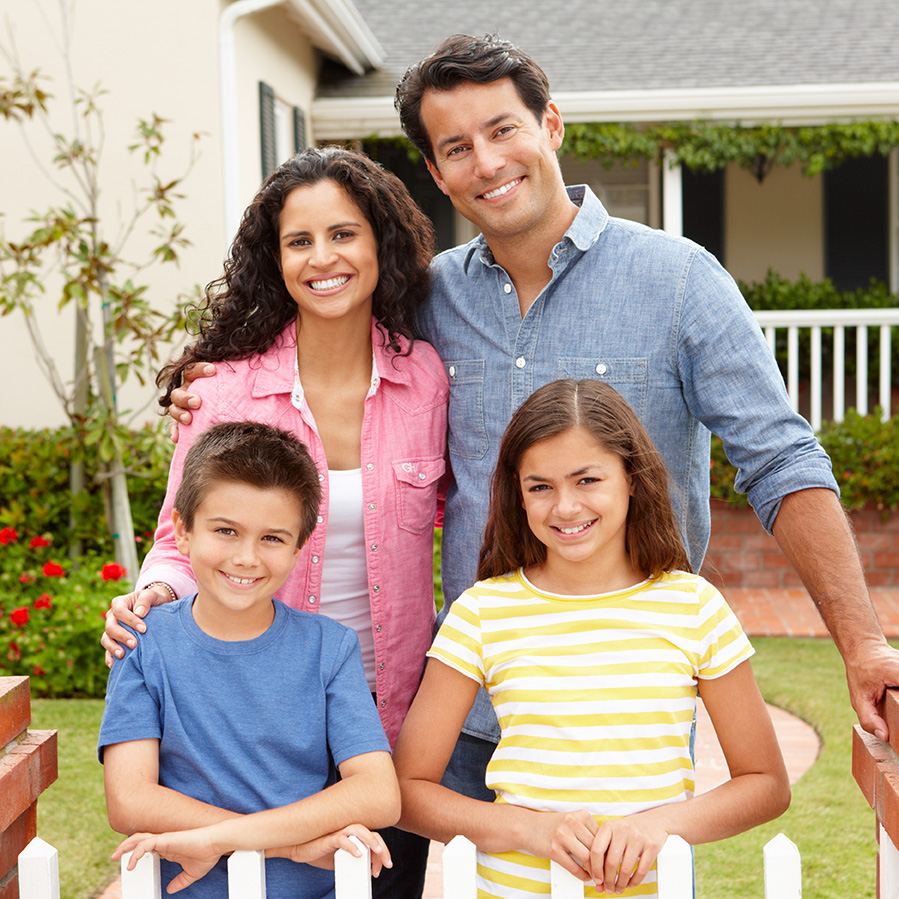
(493, 159)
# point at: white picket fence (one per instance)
(838, 319)
(39, 873)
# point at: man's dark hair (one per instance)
(247, 452)
(461, 58)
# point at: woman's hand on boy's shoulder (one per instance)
(184, 402)
(320, 852)
(129, 609)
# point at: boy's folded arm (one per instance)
(366, 794)
(135, 800)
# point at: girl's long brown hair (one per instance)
(652, 537)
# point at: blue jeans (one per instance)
(406, 879)
(467, 767)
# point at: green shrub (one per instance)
(51, 615)
(35, 498)
(865, 454)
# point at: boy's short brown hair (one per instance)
(248, 452)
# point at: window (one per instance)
(282, 129)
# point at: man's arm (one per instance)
(814, 534)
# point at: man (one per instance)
(554, 288)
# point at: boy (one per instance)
(232, 703)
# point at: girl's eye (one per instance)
(589, 480)
(538, 488)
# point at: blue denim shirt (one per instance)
(655, 316)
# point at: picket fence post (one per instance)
(39, 871)
(352, 874)
(675, 869)
(783, 869)
(460, 868)
(145, 881)
(246, 874)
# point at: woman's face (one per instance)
(329, 255)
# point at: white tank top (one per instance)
(344, 591)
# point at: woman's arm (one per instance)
(759, 789)
(424, 747)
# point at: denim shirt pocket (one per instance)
(416, 492)
(467, 425)
(628, 376)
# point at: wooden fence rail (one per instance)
(39, 873)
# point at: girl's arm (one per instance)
(424, 747)
(759, 789)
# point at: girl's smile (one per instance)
(576, 496)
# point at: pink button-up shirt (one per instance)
(403, 460)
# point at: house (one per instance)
(259, 78)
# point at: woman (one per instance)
(312, 321)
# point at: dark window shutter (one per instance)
(299, 129)
(267, 129)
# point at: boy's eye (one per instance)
(272, 538)
(227, 532)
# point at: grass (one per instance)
(72, 812)
(829, 819)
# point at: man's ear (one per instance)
(552, 120)
(182, 535)
(435, 174)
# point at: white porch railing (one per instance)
(839, 320)
(39, 873)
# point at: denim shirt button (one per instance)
(452, 371)
(520, 362)
(507, 288)
(600, 369)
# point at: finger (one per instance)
(173, 431)
(870, 719)
(629, 861)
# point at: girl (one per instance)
(592, 639)
(311, 325)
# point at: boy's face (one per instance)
(242, 547)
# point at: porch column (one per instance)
(893, 248)
(672, 197)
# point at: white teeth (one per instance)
(577, 530)
(330, 284)
(501, 190)
(239, 580)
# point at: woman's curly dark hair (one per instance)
(246, 309)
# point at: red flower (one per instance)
(19, 617)
(38, 542)
(26, 578)
(112, 571)
(38, 671)
(8, 535)
(14, 653)
(43, 602)
(51, 569)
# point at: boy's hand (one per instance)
(129, 609)
(182, 401)
(320, 852)
(624, 850)
(192, 849)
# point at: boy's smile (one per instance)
(242, 547)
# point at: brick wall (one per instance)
(741, 554)
(27, 768)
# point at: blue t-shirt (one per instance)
(247, 725)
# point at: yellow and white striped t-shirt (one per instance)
(595, 697)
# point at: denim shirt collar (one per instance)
(583, 232)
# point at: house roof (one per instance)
(702, 52)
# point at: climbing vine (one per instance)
(709, 146)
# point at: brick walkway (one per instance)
(763, 613)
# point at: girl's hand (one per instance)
(320, 852)
(192, 849)
(624, 850)
(564, 837)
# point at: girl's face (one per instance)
(576, 496)
(329, 255)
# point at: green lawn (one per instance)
(829, 819)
